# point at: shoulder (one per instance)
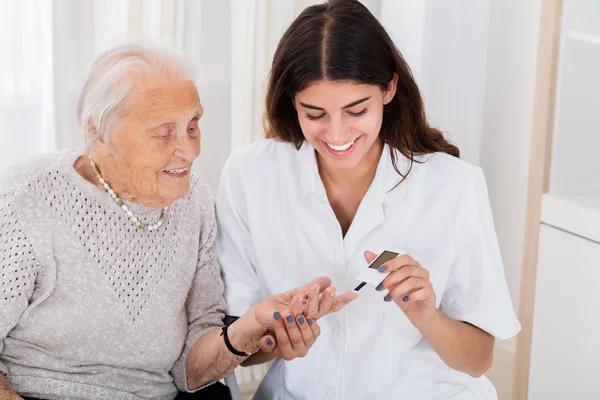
(441, 170)
(16, 179)
(201, 196)
(260, 155)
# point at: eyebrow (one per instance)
(354, 103)
(157, 124)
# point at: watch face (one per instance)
(382, 259)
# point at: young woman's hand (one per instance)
(408, 285)
(292, 336)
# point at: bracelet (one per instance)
(230, 346)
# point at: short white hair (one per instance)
(108, 87)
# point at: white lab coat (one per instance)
(277, 231)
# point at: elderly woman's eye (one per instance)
(163, 131)
(193, 126)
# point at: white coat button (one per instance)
(331, 394)
(338, 333)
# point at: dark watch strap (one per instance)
(229, 345)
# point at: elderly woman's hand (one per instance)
(5, 392)
(313, 301)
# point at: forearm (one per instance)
(210, 360)
(460, 345)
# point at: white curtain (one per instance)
(26, 104)
(47, 48)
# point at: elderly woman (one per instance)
(109, 284)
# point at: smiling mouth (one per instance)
(342, 147)
(176, 171)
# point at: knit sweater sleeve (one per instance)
(18, 270)
(205, 304)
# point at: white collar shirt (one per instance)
(278, 231)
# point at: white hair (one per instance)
(104, 98)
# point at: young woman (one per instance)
(351, 169)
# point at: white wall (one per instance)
(475, 63)
(445, 44)
(508, 113)
(206, 41)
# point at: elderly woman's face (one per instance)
(157, 143)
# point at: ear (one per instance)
(390, 90)
(98, 145)
(91, 129)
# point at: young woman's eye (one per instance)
(358, 114)
(315, 118)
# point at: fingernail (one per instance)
(310, 321)
(277, 316)
(383, 268)
(301, 320)
(387, 297)
(290, 318)
(269, 341)
(379, 287)
(332, 293)
(405, 299)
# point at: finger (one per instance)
(395, 264)
(341, 301)
(402, 274)
(305, 331)
(419, 295)
(370, 256)
(316, 329)
(281, 336)
(294, 332)
(268, 343)
(297, 305)
(323, 282)
(312, 308)
(405, 288)
(326, 300)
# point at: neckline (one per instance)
(67, 162)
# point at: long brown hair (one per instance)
(342, 41)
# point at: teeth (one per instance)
(176, 171)
(342, 147)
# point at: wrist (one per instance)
(432, 325)
(245, 333)
(3, 385)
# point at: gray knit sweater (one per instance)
(92, 307)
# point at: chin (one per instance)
(346, 163)
(173, 195)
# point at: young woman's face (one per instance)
(342, 120)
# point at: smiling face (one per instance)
(342, 120)
(156, 143)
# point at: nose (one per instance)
(187, 147)
(337, 131)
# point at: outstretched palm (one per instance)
(303, 300)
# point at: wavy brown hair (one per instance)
(341, 40)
